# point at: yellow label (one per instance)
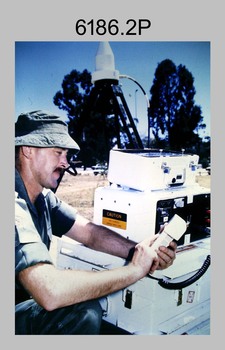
(114, 219)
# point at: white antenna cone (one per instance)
(104, 64)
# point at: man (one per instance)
(49, 300)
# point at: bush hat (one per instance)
(43, 129)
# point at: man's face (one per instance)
(47, 165)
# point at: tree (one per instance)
(174, 118)
(75, 99)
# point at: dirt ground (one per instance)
(79, 190)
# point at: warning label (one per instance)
(114, 219)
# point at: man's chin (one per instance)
(54, 184)
(56, 180)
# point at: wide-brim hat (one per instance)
(43, 129)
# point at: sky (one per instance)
(40, 68)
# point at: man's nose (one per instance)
(63, 161)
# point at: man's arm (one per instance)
(100, 238)
(53, 288)
(108, 241)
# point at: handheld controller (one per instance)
(173, 230)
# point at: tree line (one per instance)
(174, 118)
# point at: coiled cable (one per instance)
(182, 284)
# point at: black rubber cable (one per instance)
(182, 284)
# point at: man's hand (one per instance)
(145, 258)
(166, 255)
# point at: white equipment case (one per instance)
(145, 191)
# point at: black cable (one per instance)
(71, 170)
(182, 284)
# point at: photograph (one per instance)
(112, 159)
(111, 123)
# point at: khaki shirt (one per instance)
(35, 225)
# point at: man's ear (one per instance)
(26, 151)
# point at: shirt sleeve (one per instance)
(63, 215)
(29, 248)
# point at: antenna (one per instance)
(107, 89)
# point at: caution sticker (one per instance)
(114, 219)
